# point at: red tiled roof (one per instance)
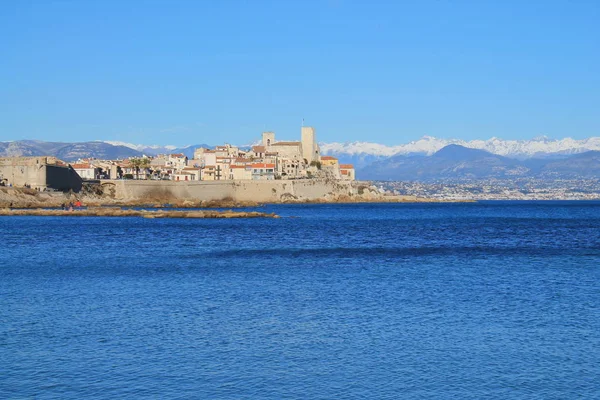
(328, 158)
(263, 165)
(346, 166)
(258, 149)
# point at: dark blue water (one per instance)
(487, 301)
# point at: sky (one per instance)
(190, 72)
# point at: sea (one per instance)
(488, 300)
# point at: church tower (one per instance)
(268, 139)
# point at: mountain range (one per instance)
(363, 153)
(96, 149)
(428, 158)
(153, 150)
(457, 162)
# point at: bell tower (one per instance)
(268, 139)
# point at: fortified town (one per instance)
(269, 160)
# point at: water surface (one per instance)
(490, 300)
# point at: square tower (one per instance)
(310, 149)
(268, 139)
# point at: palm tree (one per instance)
(136, 163)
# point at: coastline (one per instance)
(117, 212)
(130, 195)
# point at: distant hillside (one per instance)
(157, 149)
(189, 150)
(584, 165)
(66, 151)
(459, 163)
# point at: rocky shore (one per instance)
(118, 212)
(30, 199)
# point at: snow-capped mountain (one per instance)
(153, 150)
(428, 145)
(457, 162)
(146, 149)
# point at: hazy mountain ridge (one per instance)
(461, 163)
(153, 150)
(550, 159)
(96, 149)
(148, 149)
(66, 151)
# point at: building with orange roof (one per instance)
(263, 171)
(347, 172)
(86, 170)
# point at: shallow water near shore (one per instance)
(476, 300)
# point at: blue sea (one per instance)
(492, 300)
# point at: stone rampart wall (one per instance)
(63, 178)
(38, 173)
(261, 191)
(23, 175)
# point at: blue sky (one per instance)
(186, 72)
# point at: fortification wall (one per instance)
(261, 191)
(24, 171)
(62, 178)
(38, 173)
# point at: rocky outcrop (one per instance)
(118, 212)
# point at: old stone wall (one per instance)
(23, 171)
(62, 178)
(38, 173)
(261, 191)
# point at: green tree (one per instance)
(135, 163)
(139, 163)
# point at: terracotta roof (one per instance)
(346, 166)
(81, 166)
(328, 158)
(344, 172)
(258, 149)
(263, 165)
(178, 155)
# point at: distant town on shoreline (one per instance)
(540, 168)
(270, 160)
